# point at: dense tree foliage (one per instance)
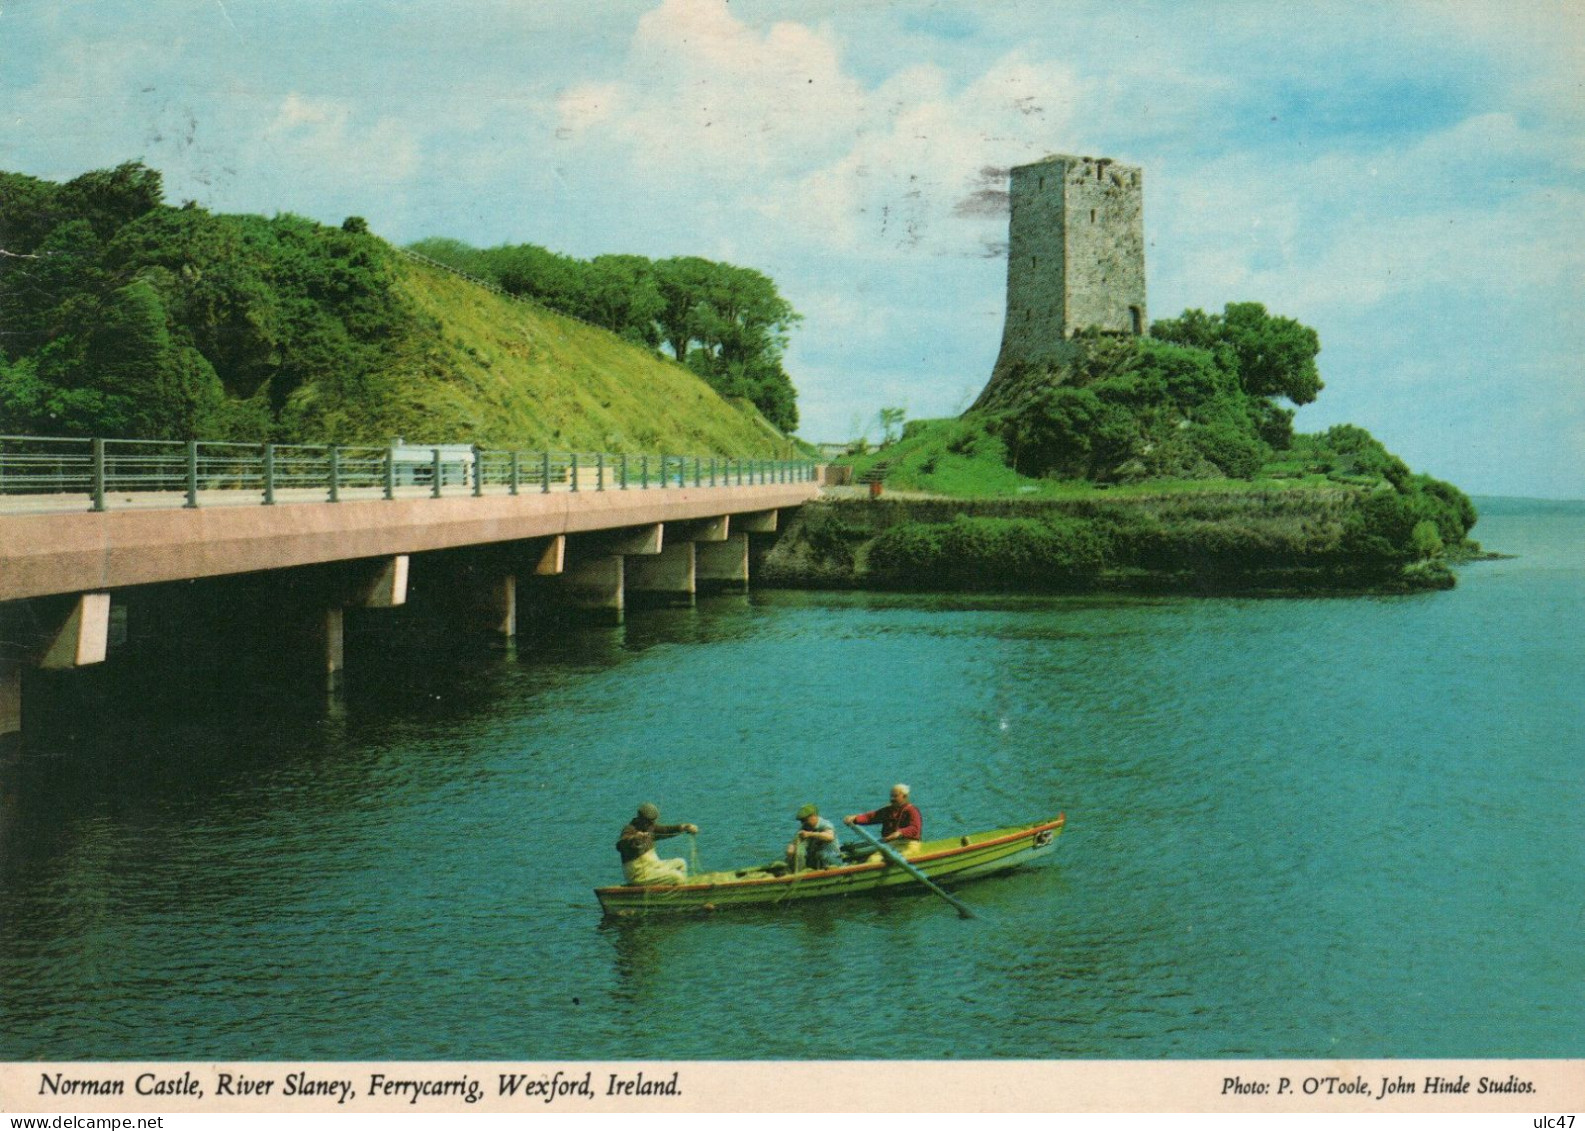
(123, 316)
(728, 324)
(126, 317)
(1271, 356)
(1138, 408)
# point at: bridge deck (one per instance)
(141, 541)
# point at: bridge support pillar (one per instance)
(596, 585)
(388, 588)
(671, 573)
(701, 529)
(553, 558)
(333, 634)
(503, 606)
(634, 541)
(84, 634)
(723, 565)
(756, 522)
(10, 702)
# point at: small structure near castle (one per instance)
(1075, 259)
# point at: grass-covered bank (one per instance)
(1337, 539)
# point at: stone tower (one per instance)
(1075, 258)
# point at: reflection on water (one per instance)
(1339, 828)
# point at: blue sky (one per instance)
(1404, 177)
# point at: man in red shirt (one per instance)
(901, 825)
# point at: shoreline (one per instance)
(1262, 544)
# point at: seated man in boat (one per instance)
(816, 840)
(901, 824)
(636, 847)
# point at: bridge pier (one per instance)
(52, 633)
(670, 574)
(10, 703)
(382, 586)
(596, 585)
(333, 638)
(387, 587)
(635, 541)
(553, 558)
(83, 636)
(502, 607)
(702, 530)
(544, 557)
(756, 522)
(723, 565)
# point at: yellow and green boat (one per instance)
(948, 861)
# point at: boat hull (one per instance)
(946, 862)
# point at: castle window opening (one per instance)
(1092, 215)
(1138, 318)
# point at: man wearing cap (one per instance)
(818, 839)
(636, 847)
(901, 825)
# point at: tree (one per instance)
(1068, 432)
(109, 198)
(150, 386)
(1276, 356)
(739, 322)
(1272, 356)
(622, 294)
(27, 212)
(683, 282)
(892, 423)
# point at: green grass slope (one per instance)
(503, 372)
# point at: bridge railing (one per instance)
(46, 472)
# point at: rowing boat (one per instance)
(948, 861)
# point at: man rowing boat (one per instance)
(902, 826)
(636, 847)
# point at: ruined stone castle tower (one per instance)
(1075, 258)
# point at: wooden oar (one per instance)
(897, 858)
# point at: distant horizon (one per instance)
(1406, 180)
(1476, 499)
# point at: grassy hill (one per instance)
(127, 317)
(498, 371)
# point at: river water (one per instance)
(1343, 828)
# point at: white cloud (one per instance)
(704, 93)
(769, 119)
(919, 152)
(319, 136)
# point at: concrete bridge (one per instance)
(77, 562)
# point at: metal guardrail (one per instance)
(193, 473)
